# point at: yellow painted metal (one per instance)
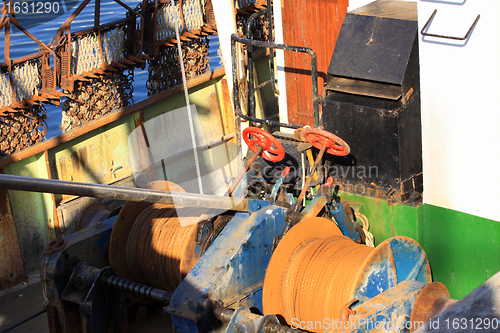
(92, 158)
(100, 158)
(32, 212)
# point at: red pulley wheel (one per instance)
(319, 138)
(255, 137)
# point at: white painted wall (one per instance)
(280, 65)
(226, 26)
(460, 113)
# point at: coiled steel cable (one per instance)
(160, 252)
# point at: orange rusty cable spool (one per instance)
(431, 301)
(315, 271)
(149, 245)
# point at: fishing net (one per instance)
(164, 69)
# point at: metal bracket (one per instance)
(427, 24)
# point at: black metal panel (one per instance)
(373, 48)
(410, 143)
(370, 127)
(411, 81)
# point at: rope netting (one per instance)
(22, 129)
(97, 98)
(27, 81)
(27, 78)
(6, 97)
(168, 16)
(85, 53)
(114, 44)
(86, 49)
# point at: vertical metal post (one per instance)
(271, 50)
(97, 15)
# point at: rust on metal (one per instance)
(226, 108)
(149, 244)
(123, 225)
(118, 114)
(55, 216)
(316, 271)
(431, 301)
(11, 259)
(96, 82)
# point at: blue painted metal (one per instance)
(394, 261)
(388, 312)
(344, 222)
(231, 270)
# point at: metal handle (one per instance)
(443, 36)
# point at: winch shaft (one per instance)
(121, 193)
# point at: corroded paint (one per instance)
(92, 157)
(100, 158)
(11, 261)
(32, 211)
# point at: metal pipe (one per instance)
(314, 75)
(244, 171)
(309, 178)
(250, 20)
(236, 99)
(225, 315)
(121, 193)
(271, 40)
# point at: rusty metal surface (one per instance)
(149, 245)
(102, 158)
(165, 71)
(22, 129)
(11, 260)
(87, 94)
(431, 301)
(315, 271)
(107, 119)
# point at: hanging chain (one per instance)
(97, 98)
(164, 69)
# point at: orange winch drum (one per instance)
(148, 244)
(316, 270)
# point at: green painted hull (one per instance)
(463, 249)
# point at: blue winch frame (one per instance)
(233, 268)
